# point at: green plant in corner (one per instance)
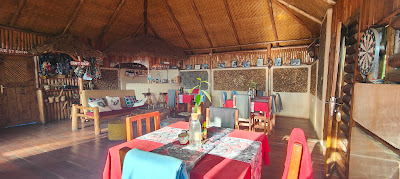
(253, 85)
(199, 96)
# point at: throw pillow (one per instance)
(96, 99)
(114, 103)
(140, 103)
(130, 101)
(102, 106)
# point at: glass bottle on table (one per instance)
(195, 133)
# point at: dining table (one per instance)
(227, 153)
(259, 103)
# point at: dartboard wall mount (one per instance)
(368, 53)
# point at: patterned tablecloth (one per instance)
(244, 151)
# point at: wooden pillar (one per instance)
(269, 87)
(80, 85)
(96, 116)
(74, 117)
(39, 94)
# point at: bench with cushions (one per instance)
(87, 112)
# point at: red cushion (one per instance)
(114, 112)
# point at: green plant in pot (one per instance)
(252, 88)
(199, 96)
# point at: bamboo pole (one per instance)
(39, 94)
(74, 117)
(3, 44)
(96, 116)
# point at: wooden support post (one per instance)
(96, 116)
(39, 94)
(74, 117)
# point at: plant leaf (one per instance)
(206, 82)
(197, 99)
(208, 95)
(194, 88)
(198, 79)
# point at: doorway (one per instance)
(18, 103)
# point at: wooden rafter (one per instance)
(73, 17)
(300, 11)
(271, 17)
(145, 21)
(21, 4)
(252, 44)
(331, 2)
(138, 30)
(176, 23)
(152, 30)
(294, 16)
(196, 11)
(111, 20)
(228, 11)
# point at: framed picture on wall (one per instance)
(278, 61)
(188, 67)
(260, 62)
(221, 65)
(197, 67)
(295, 62)
(204, 66)
(246, 64)
(234, 63)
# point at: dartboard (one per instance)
(368, 51)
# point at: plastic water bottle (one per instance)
(195, 133)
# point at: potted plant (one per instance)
(199, 96)
(252, 88)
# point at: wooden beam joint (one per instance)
(21, 4)
(73, 17)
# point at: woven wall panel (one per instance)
(290, 80)
(321, 60)
(109, 80)
(313, 84)
(188, 79)
(239, 79)
(16, 71)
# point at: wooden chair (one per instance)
(241, 121)
(260, 120)
(236, 118)
(138, 120)
(178, 107)
(79, 112)
(295, 160)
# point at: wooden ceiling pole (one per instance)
(228, 11)
(111, 20)
(300, 11)
(250, 44)
(138, 30)
(201, 22)
(21, 4)
(176, 23)
(294, 16)
(73, 17)
(152, 30)
(271, 17)
(145, 16)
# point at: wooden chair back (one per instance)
(295, 160)
(234, 103)
(221, 98)
(138, 120)
(244, 122)
(236, 118)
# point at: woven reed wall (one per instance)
(16, 41)
(109, 80)
(313, 84)
(251, 56)
(293, 80)
(239, 80)
(188, 79)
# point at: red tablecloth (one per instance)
(257, 104)
(210, 166)
(183, 98)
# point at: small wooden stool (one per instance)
(117, 130)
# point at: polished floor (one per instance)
(54, 151)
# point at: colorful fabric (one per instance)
(224, 98)
(256, 105)
(130, 101)
(165, 135)
(101, 105)
(114, 103)
(96, 99)
(145, 163)
(234, 92)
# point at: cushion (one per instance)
(114, 103)
(130, 101)
(96, 99)
(140, 103)
(102, 106)
(123, 111)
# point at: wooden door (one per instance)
(18, 103)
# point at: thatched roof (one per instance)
(145, 45)
(189, 24)
(67, 44)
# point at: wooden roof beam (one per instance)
(300, 11)
(14, 18)
(271, 17)
(112, 18)
(196, 11)
(138, 30)
(176, 23)
(294, 16)
(73, 17)
(152, 30)
(251, 44)
(145, 21)
(228, 11)
(331, 2)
